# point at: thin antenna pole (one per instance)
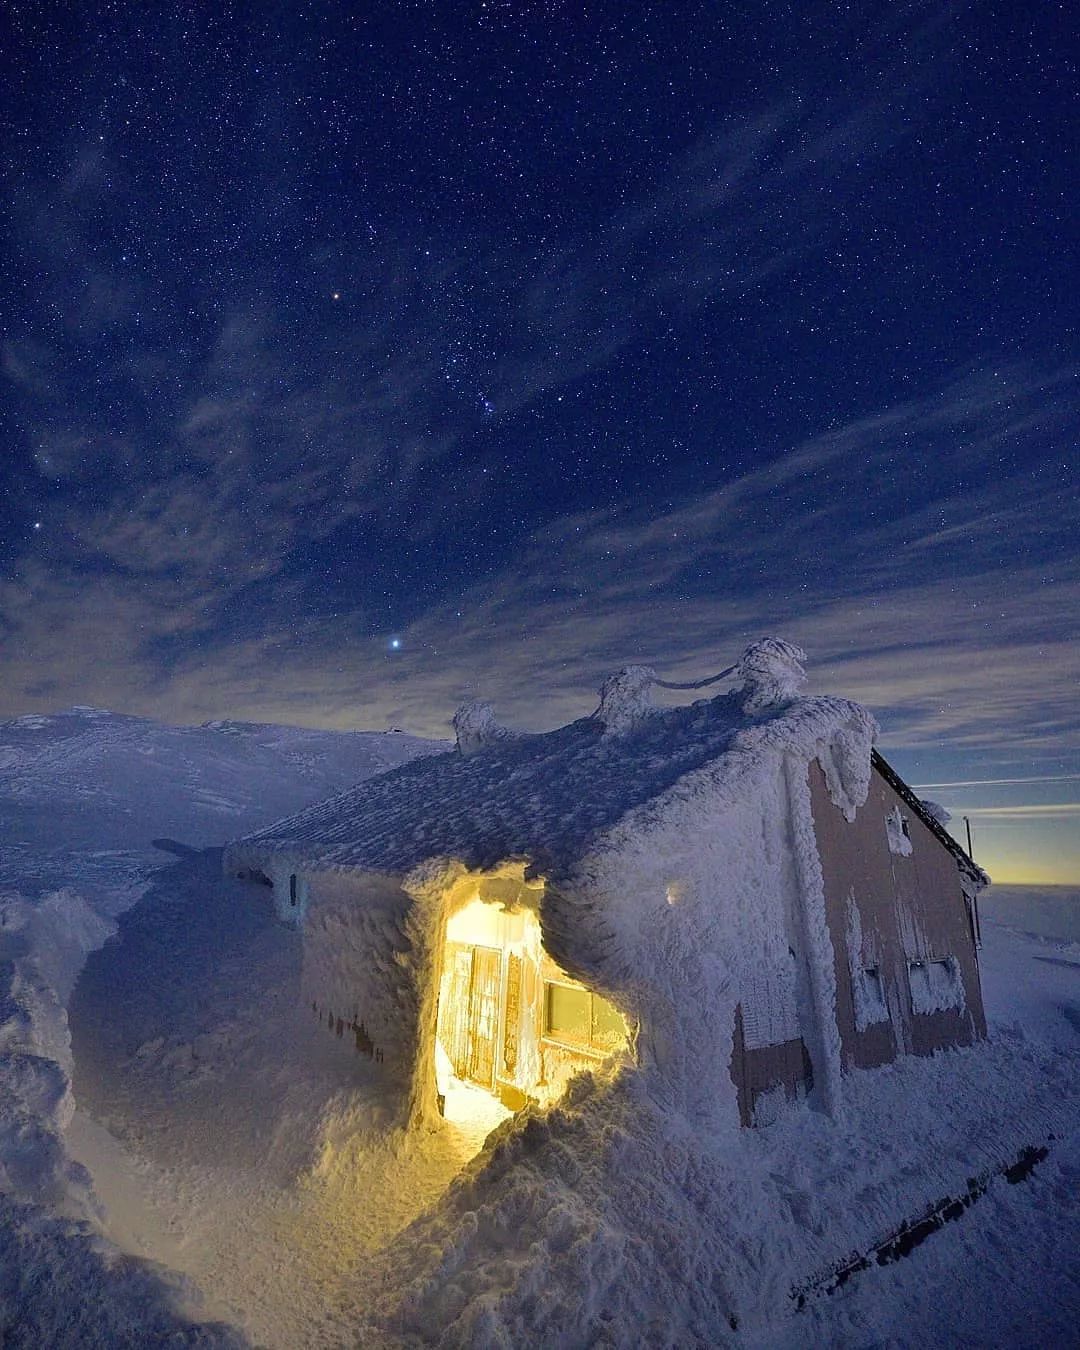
(967, 826)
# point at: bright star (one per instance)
(37, 524)
(395, 644)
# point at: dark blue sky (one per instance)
(543, 338)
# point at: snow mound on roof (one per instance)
(625, 698)
(476, 726)
(772, 674)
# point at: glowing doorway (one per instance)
(473, 977)
(509, 1028)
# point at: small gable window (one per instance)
(898, 830)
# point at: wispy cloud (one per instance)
(1003, 782)
(1041, 811)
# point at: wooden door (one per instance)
(484, 1014)
(470, 1020)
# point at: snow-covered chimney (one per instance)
(626, 699)
(476, 726)
(771, 673)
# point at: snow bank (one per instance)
(49, 1217)
(475, 727)
(61, 1286)
(609, 1219)
(82, 796)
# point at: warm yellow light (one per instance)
(512, 1025)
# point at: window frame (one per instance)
(593, 1049)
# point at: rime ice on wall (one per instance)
(357, 965)
(823, 1030)
(845, 761)
(677, 918)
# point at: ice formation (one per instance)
(871, 1006)
(626, 698)
(936, 986)
(936, 812)
(772, 674)
(476, 726)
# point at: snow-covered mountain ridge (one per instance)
(109, 780)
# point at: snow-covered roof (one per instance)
(543, 797)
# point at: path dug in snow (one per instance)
(245, 1147)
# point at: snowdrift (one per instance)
(608, 1219)
(82, 796)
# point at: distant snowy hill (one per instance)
(87, 779)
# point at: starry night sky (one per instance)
(359, 358)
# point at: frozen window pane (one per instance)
(567, 1013)
(936, 986)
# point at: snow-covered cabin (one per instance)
(738, 895)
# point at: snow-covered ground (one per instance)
(229, 1139)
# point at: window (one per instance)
(292, 889)
(899, 832)
(868, 994)
(936, 986)
(581, 1018)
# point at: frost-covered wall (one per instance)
(892, 909)
(682, 916)
(285, 872)
(359, 966)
